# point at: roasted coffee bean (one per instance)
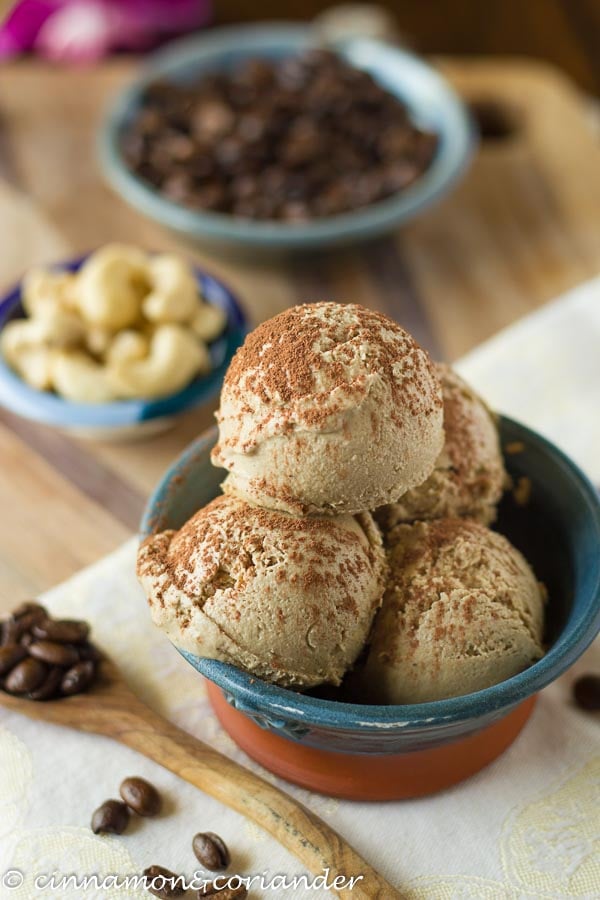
(18, 626)
(11, 632)
(10, 655)
(211, 851)
(223, 893)
(110, 818)
(22, 621)
(26, 609)
(50, 687)
(141, 796)
(54, 654)
(78, 678)
(43, 658)
(163, 883)
(64, 631)
(26, 676)
(586, 692)
(89, 651)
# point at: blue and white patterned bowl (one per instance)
(431, 101)
(558, 531)
(125, 418)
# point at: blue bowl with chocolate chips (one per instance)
(431, 102)
(377, 752)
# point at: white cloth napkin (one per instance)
(526, 827)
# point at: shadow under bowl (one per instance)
(431, 102)
(379, 752)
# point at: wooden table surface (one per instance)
(523, 226)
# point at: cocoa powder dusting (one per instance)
(172, 557)
(307, 352)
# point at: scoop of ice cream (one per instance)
(469, 474)
(328, 408)
(462, 611)
(290, 600)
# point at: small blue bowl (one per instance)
(430, 100)
(558, 531)
(125, 418)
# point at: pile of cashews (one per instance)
(127, 325)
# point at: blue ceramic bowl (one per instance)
(559, 533)
(126, 417)
(431, 101)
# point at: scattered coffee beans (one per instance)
(140, 796)
(304, 138)
(211, 851)
(223, 893)
(110, 818)
(586, 692)
(163, 883)
(43, 658)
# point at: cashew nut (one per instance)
(125, 326)
(18, 336)
(174, 296)
(42, 289)
(55, 328)
(127, 346)
(174, 359)
(111, 286)
(77, 377)
(209, 322)
(34, 365)
(59, 327)
(97, 341)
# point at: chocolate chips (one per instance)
(43, 658)
(304, 138)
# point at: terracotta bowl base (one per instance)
(398, 776)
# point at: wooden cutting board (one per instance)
(523, 226)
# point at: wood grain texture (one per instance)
(521, 227)
(113, 710)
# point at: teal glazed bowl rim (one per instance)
(281, 705)
(50, 409)
(430, 99)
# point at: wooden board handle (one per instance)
(299, 830)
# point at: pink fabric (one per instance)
(83, 31)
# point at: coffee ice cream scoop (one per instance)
(462, 611)
(469, 475)
(290, 600)
(328, 408)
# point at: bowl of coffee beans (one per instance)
(258, 137)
